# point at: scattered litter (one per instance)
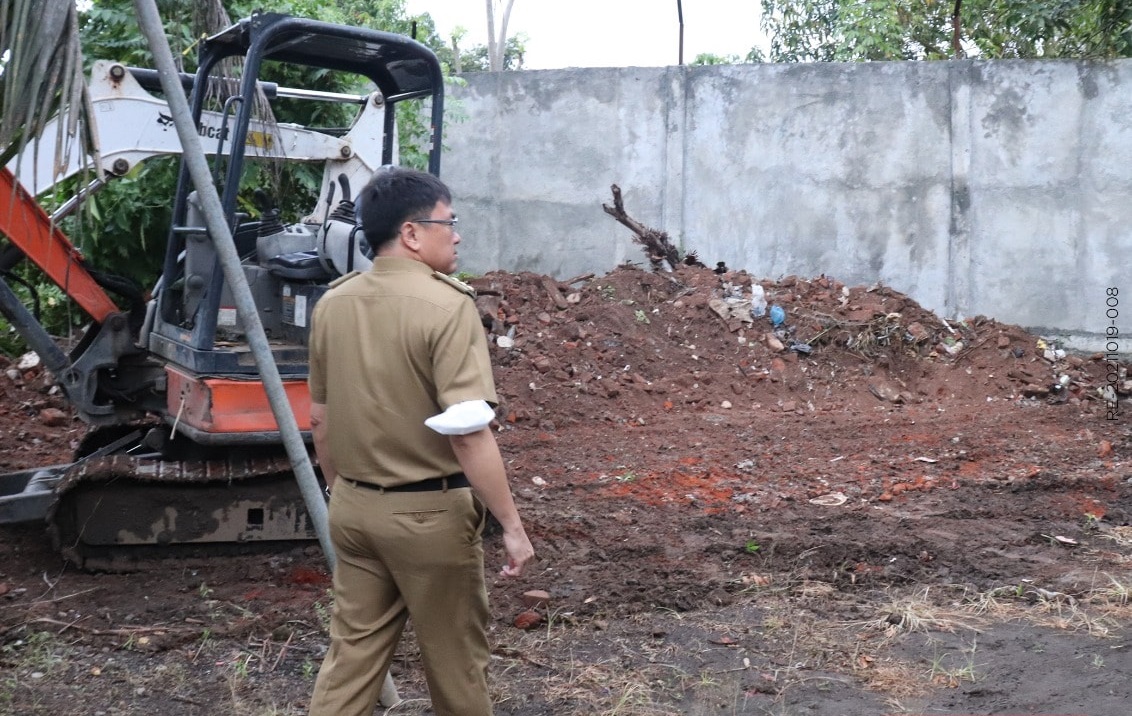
(28, 361)
(885, 392)
(757, 580)
(833, 499)
(732, 309)
(1050, 350)
(1056, 597)
(1060, 539)
(927, 459)
(777, 315)
(758, 301)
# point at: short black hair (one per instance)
(395, 195)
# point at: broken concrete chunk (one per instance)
(53, 417)
(536, 598)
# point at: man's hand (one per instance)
(479, 456)
(519, 552)
(321, 441)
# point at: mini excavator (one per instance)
(184, 452)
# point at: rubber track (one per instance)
(120, 467)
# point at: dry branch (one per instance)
(127, 632)
(578, 279)
(554, 292)
(657, 247)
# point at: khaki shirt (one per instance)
(388, 349)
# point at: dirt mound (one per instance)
(625, 346)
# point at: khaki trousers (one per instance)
(402, 555)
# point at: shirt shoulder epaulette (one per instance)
(343, 279)
(454, 283)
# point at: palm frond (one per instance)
(41, 75)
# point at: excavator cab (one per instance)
(193, 326)
(187, 451)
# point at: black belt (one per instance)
(451, 482)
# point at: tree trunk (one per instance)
(497, 42)
(956, 32)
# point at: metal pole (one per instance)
(150, 23)
(680, 17)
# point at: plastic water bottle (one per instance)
(758, 300)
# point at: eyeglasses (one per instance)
(451, 223)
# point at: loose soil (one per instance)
(865, 510)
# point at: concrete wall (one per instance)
(994, 188)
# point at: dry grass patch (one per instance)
(1113, 594)
(919, 613)
(604, 688)
(1098, 611)
(895, 679)
(408, 707)
(1122, 536)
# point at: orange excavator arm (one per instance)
(29, 227)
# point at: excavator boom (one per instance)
(29, 227)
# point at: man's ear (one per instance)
(408, 236)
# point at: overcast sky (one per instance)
(608, 33)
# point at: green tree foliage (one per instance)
(475, 58)
(109, 31)
(755, 56)
(127, 222)
(124, 226)
(707, 58)
(833, 30)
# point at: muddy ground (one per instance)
(864, 510)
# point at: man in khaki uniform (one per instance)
(392, 349)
